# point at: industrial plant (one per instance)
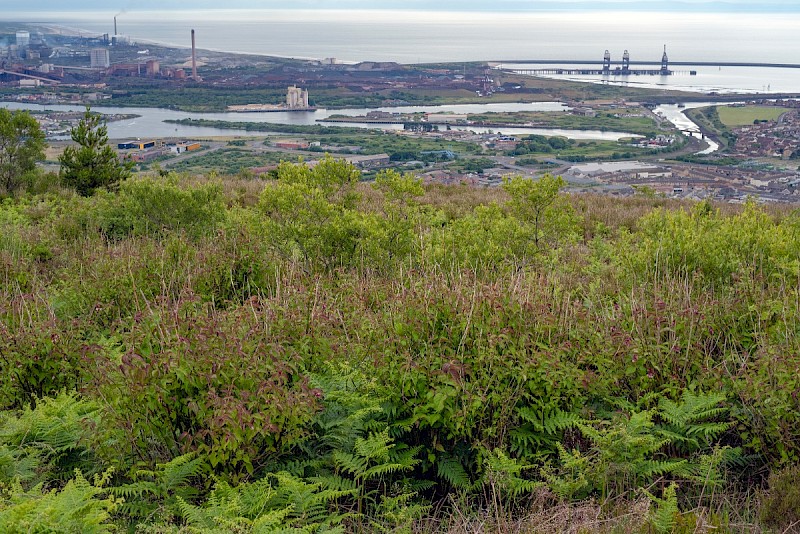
(296, 100)
(31, 61)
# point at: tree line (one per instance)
(90, 165)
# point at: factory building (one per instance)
(289, 144)
(136, 145)
(99, 58)
(371, 161)
(296, 98)
(23, 39)
(446, 118)
(153, 68)
(180, 148)
(145, 155)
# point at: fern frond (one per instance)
(418, 486)
(664, 518)
(651, 468)
(450, 468)
(375, 447)
(79, 506)
(549, 421)
(692, 407)
(708, 430)
(570, 481)
(17, 464)
(350, 463)
(560, 420)
(268, 522)
(676, 437)
(179, 470)
(135, 490)
(506, 473)
(334, 482)
(380, 470)
(405, 455)
(194, 515)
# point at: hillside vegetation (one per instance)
(316, 354)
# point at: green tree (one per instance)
(312, 212)
(93, 163)
(22, 144)
(537, 203)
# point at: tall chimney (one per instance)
(194, 60)
(115, 26)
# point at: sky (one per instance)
(689, 6)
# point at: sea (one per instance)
(429, 37)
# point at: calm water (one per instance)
(411, 37)
(675, 115)
(150, 122)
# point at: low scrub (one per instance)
(322, 355)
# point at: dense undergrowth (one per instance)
(314, 354)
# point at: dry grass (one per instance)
(544, 514)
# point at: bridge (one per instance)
(602, 72)
(692, 133)
(675, 63)
(4, 72)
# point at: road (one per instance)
(213, 147)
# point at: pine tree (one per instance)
(93, 164)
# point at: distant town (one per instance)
(759, 139)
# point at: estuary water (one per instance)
(150, 121)
(675, 114)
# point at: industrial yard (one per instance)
(113, 69)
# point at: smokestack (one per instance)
(115, 26)
(194, 60)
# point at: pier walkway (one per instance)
(675, 63)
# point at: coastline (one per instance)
(694, 93)
(82, 32)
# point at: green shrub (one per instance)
(154, 206)
(207, 382)
(39, 359)
(233, 267)
(486, 240)
(538, 203)
(311, 214)
(718, 248)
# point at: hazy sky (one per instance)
(768, 6)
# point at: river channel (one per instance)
(149, 122)
(675, 114)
